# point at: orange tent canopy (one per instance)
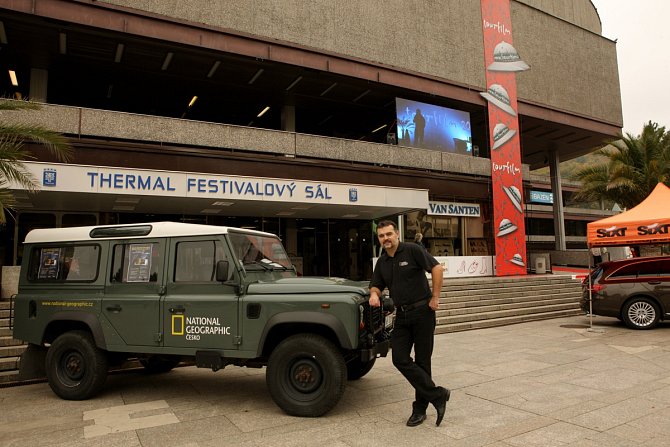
(647, 223)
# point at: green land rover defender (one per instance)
(92, 297)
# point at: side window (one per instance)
(196, 261)
(136, 262)
(638, 269)
(64, 263)
(664, 267)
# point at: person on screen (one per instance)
(419, 127)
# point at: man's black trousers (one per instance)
(416, 328)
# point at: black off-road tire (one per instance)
(641, 313)
(75, 366)
(156, 364)
(306, 375)
(357, 369)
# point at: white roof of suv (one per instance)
(130, 231)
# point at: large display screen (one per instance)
(433, 127)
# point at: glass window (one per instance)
(643, 268)
(256, 250)
(64, 263)
(138, 262)
(664, 267)
(78, 220)
(196, 261)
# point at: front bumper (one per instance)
(380, 349)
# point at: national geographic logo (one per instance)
(194, 327)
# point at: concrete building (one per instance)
(285, 116)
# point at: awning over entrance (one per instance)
(71, 187)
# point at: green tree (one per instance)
(12, 152)
(630, 168)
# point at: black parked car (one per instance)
(636, 291)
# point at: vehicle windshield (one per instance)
(260, 253)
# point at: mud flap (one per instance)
(31, 365)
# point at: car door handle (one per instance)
(177, 310)
(654, 282)
(114, 308)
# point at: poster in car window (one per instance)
(49, 263)
(139, 263)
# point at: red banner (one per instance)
(502, 63)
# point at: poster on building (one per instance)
(139, 263)
(502, 61)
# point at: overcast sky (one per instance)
(642, 32)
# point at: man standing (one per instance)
(419, 126)
(402, 269)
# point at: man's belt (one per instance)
(416, 305)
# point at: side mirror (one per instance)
(222, 271)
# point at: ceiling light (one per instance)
(222, 203)
(328, 89)
(193, 100)
(211, 211)
(285, 213)
(123, 208)
(62, 43)
(258, 73)
(3, 35)
(361, 95)
(379, 128)
(212, 70)
(263, 112)
(292, 84)
(119, 53)
(349, 215)
(12, 77)
(168, 59)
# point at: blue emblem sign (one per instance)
(49, 177)
(353, 195)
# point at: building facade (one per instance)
(300, 119)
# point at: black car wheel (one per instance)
(75, 366)
(641, 313)
(306, 375)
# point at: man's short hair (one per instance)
(387, 223)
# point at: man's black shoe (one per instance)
(416, 419)
(440, 405)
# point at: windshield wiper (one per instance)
(266, 264)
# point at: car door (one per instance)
(661, 285)
(133, 289)
(199, 312)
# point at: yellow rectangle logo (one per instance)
(177, 325)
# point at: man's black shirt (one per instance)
(404, 274)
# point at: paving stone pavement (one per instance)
(543, 383)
